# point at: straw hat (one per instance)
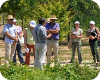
(10, 17)
(53, 17)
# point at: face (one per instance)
(10, 21)
(52, 21)
(15, 23)
(92, 25)
(77, 25)
(44, 23)
(31, 28)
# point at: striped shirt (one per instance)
(39, 34)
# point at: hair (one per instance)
(42, 20)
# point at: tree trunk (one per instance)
(14, 14)
(22, 23)
(3, 19)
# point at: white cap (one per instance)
(92, 22)
(32, 23)
(14, 20)
(77, 22)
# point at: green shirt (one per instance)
(79, 31)
(29, 37)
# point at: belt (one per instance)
(52, 39)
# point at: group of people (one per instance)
(43, 38)
(77, 34)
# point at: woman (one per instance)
(93, 42)
(76, 34)
(18, 46)
(29, 43)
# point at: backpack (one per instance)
(3, 34)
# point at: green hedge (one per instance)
(58, 72)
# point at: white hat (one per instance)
(32, 23)
(92, 22)
(14, 20)
(77, 22)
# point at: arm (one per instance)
(48, 36)
(54, 31)
(10, 37)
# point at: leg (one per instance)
(95, 50)
(7, 52)
(92, 50)
(79, 51)
(33, 51)
(36, 55)
(49, 51)
(55, 50)
(73, 51)
(20, 54)
(27, 60)
(13, 47)
(14, 58)
(42, 55)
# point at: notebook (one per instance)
(88, 33)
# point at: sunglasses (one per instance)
(11, 19)
(53, 19)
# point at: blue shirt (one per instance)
(12, 30)
(39, 34)
(49, 26)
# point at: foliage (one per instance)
(58, 72)
(58, 9)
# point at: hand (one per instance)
(74, 36)
(16, 39)
(91, 37)
(20, 35)
(25, 47)
(14, 43)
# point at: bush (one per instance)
(58, 72)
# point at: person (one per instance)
(28, 40)
(18, 46)
(93, 42)
(40, 36)
(76, 34)
(10, 38)
(53, 41)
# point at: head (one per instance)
(77, 24)
(42, 21)
(53, 19)
(10, 19)
(15, 22)
(32, 24)
(92, 24)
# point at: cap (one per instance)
(14, 20)
(32, 23)
(92, 22)
(77, 22)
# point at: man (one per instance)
(29, 43)
(39, 36)
(10, 38)
(52, 42)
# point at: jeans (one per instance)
(78, 45)
(40, 55)
(93, 47)
(20, 54)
